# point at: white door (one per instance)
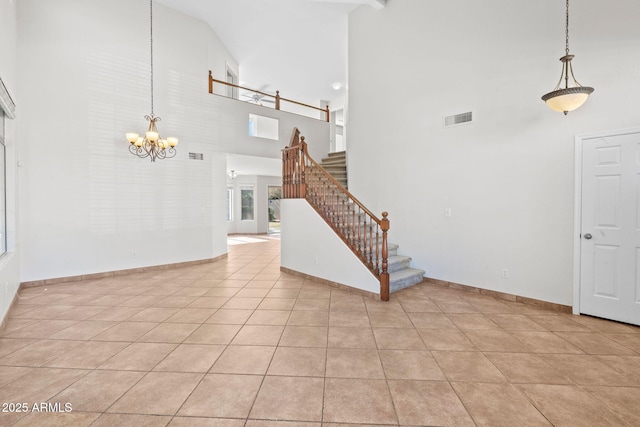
(610, 228)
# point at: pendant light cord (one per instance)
(567, 30)
(151, 44)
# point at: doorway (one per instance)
(274, 193)
(607, 246)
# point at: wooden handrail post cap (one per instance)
(384, 222)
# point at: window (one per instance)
(263, 127)
(229, 204)
(246, 194)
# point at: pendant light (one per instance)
(568, 98)
(151, 145)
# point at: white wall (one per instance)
(9, 262)
(87, 204)
(508, 177)
(310, 246)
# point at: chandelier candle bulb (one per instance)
(132, 137)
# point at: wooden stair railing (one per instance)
(363, 232)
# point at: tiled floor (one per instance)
(238, 343)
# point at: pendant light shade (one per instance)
(572, 97)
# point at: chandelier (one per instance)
(152, 145)
(568, 98)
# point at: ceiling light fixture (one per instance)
(568, 98)
(336, 86)
(232, 174)
(152, 145)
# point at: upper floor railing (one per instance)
(277, 99)
(363, 232)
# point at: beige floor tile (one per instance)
(308, 292)
(631, 341)
(210, 302)
(587, 370)
(390, 320)
(116, 314)
(398, 339)
(349, 319)
(258, 335)
(428, 403)
(40, 385)
(489, 340)
(621, 400)
(351, 338)
(242, 303)
(515, 322)
(350, 305)
(627, 365)
(298, 361)
(159, 393)
(595, 343)
(125, 331)
(277, 304)
(141, 301)
(358, 401)
(467, 366)
(446, 339)
(546, 342)
(308, 318)
(251, 293)
(604, 326)
(472, 321)
(420, 306)
(138, 357)
(205, 422)
(283, 293)
(304, 336)
(570, 405)
(559, 322)
(61, 419)
(43, 329)
(410, 365)
(175, 301)
(353, 363)
(527, 368)
(98, 390)
(241, 359)
(221, 292)
(432, 321)
(261, 284)
(192, 315)
(222, 396)
(507, 406)
(289, 398)
(456, 306)
(125, 420)
(87, 355)
(193, 292)
(191, 358)
(230, 317)
(321, 304)
(269, 317)
(9, 374)
(169, 333)
(213, 334)
(39, 353)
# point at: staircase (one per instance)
(401, 275)
(336, 165)
(362, 231)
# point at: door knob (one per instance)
(588, 236)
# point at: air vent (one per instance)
(458, 119)
(195, 156)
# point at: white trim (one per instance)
(577, 207)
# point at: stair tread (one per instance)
(407, 272)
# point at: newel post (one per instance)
(327, 116)
(277, 100)
(210, 82)
(384, 275)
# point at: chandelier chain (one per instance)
(567, 30)
(151, 44)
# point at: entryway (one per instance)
(607, 266)
(274, 195)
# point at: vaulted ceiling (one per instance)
(296, 46)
